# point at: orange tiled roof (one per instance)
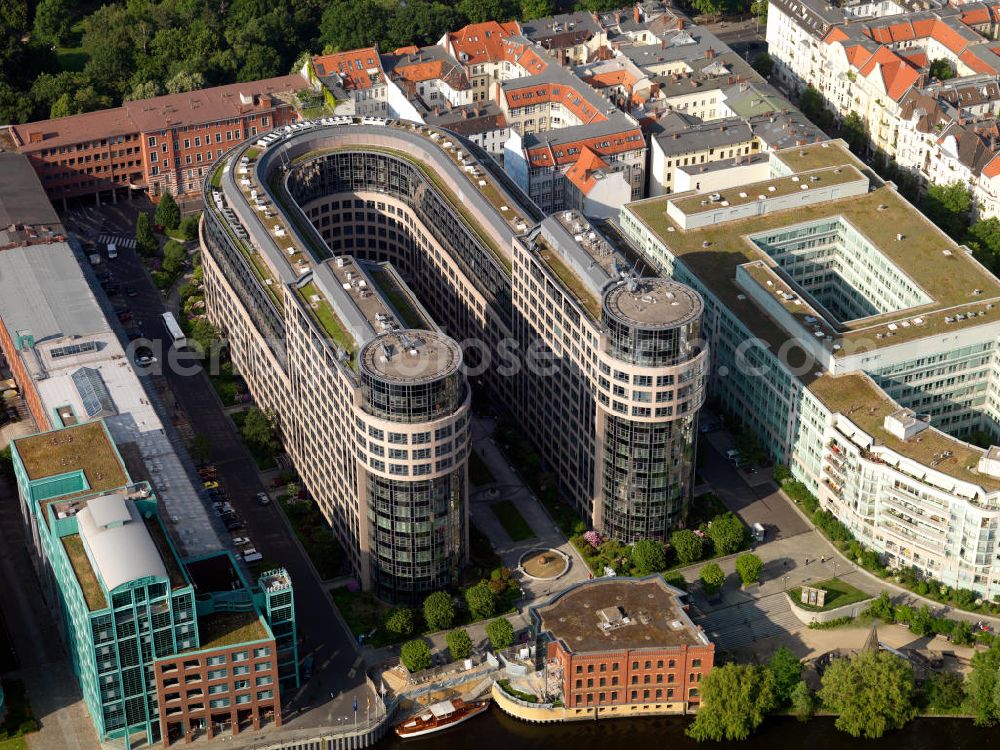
(582, 173)
(353, 66)
(976, 63)
(545, 156)
(992, 169)
(482, 42)
(528, 94)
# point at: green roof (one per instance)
(222, 629)
(93, 594)
(84, 447)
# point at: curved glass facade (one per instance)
(652, 347)
(648, 475)
(412, 402)
(415, 534)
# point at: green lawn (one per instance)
(314, 534)
(479, 472)
(512, 521)
(73, 58)
(838, 594)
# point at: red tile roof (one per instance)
(482, 42)
(353, 66)
(976, 63)
(992, 169)
(582, 172)
(546, 155)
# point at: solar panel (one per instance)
(93, 392)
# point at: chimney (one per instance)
(663, 43)
(709, 53)
(680, 24)
(636, 14)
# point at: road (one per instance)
(746, 37)
(188, 393)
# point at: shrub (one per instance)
(167, 212)
(944, 691)
(648, 556)
(174, 257)
(459, 644)
(439, 611)
(712, 578)
(500, 633)
(189, 227)
(481, 601)
(415, 655)
(687, 545)
(749, 566)
(400, 621)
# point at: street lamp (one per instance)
(784, 582)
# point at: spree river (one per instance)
(497, 731)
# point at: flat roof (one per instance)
(222, 629)
(411, 356)
(22, 197)
(654, 616)
(943, 270)
(858, 397)
(85, 447)
(653, 303)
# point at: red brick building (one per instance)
(624, 646)
(220, 688)
(163, 144)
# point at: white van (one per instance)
(251, 555)
(112, 251)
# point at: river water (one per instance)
(497, 731)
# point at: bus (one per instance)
(174, 330)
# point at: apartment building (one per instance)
(624, 647)
(135, 630)
(352, 83)
(327, 323)
(164, 144)
(875, 60)
(857, 341)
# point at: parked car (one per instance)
(251, 555)
(211, 485)
(733, 455)
(12, 414)
(125, 317)
(241, 541)
(112, 289)
(234, 525)
(104, 276)
(707, 427)
(130, 291)
(263, 499)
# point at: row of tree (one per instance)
(416, 654)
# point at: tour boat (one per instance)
(441, 716)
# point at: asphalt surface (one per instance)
(335, 658)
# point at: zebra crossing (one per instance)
(118, 240)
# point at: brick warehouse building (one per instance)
(624, 646)
(157, 145)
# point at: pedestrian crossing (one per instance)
(117, 240)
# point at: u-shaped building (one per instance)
(369, 273)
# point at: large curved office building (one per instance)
(324, 242)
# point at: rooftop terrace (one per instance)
(85, 447)
(655, 617)
(858, 398)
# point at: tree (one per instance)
(350, 24)
(872, 692)
(984, 239)
(205, 334)
(145, 240)
(763, 63)
(481, 601)
(852, 129)
(53, 22)
(189, 227)
(648, 556)
(813, 107)
(532, 9)
(500, 633)
(709, 7)
(258, 430)
(941, 69)
(200, 449)
(15, 107)
(735, 698)
(944, 691)
(712, 578)
(415, 655)
(787, 672)
(803, 702)
(948, 206)
(983, 686)
(478, 11)
(6, 463)
(174, 257)
(922, 621)
(144, 90)
(439, 611)
(184, 81)
(168, 213)
(728, 534)
(400, 621)
(459, 644)
(749, 566)
(687, 545)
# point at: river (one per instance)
(496, 731)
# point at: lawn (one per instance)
(838, 594)
(19, 720)
(479, 472)
(364, 615)
(73, 58)
(512, 521)
(314, 534)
